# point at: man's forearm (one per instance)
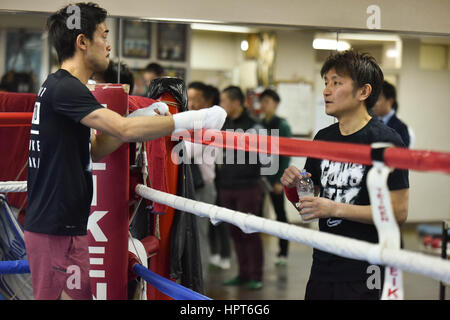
(362, 214)
(104, 145)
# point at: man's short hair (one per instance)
(361, 68)
(197, 85)
(63, 38)
(235, 93)
(210, 93)
(271, 94)
(213, 95)
(390, 92)
(126, 76)
(156, 68)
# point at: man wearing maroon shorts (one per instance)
(62, 149)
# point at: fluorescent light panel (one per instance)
(221, 28)
(329, 44)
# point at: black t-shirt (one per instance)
(346, 183)
(59, 163)
(245, 169)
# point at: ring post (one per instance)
(108, 221)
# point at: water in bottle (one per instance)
(305, 187)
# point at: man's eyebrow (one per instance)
(332, 77)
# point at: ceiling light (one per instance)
(329, 44)
(244, 45)
(221, 28)
(392, 53)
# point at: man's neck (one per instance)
(237, 113)
(385, 118)
(77, 69)
(268, 116)
(353, 122)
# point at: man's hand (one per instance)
(317, 207)
(157, 108)
(207, 118)
(292, 176)
(278, 188)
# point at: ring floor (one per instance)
(289, 282)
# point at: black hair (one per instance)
(234, 93)
(210, 93)
(362, 68)
(126, 76)
(271, 94)
(390, 92)
(197, 85)
(63, 35)
(213, 95)
(155, 68)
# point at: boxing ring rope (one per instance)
(400, 158)
(13, 186)
(164, 285)
(393, 157)
(433, 267)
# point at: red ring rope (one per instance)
(401, 158)
(15, 119)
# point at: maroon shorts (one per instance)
(58, 263)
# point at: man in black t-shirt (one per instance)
(352, 84)
(62, 149)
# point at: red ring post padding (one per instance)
(108, 222)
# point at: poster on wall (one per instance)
(136, 39)
(172, 41)
(23, 56)
(297, 106)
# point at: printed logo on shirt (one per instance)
(341, 182)
(333, 222)
(34, 147)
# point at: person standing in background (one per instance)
(386, 109)
(240, 188)
(152, 71)
(269, 100)
(203, 173)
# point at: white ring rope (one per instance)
(414, 262)
(405, 260)
(13, 186)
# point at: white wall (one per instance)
(216, 58)
(295, 56)
(424, 104)
(214, 50)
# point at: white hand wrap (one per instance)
(208, 118)
(150, 110)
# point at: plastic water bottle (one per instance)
(305, 187)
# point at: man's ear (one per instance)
(391, 101)
(81, 42)
(364, 92)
